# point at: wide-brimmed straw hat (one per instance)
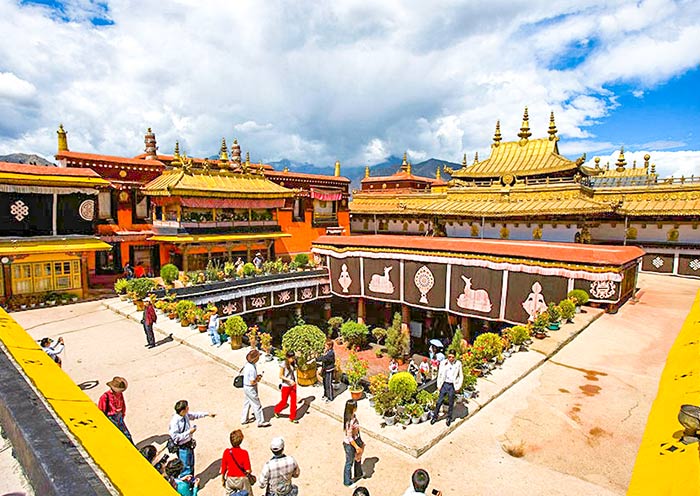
(252, 355)
(118, 384)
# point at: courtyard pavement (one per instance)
(577, 419)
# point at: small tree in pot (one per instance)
(235, 327)
(554, 314)
(169, 273)
(578, 297)
(306, 341)
(568, 309)
(354, 334)
(355, 369)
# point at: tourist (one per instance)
(353, 444)
(360, 491)
(239, 264)
(181, 433)
(128, 271)
(139, 270)
(236, 474)
(258, 261)
(449, 381)
(277, 473)
(424, 370)
(53, 350)
(393, 367)
(414, 370)
(150, 452)
(149, 318)
(251, 378)
(419, 484)
(112, 404)
(288, 388)
(327, 361)
(185, 485)
(213, 327)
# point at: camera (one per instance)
(160, 464)
(435, 492)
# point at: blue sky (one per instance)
(353, 80)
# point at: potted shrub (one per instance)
(518, 336)
(169, 273)
(540, 324)
(120, 287)
(427, 401)
(415, 411)
(253, 336)
(578, 297)
(468, 384)
(488, 346)
(202, 319)
(139, 289)
(301, 260)
(182, 309)
(354, 334)
(385, 405)
(355, 370)
(377, 384)
(266, 344)
(170, 310)
(334, 324)
(379, 334)
(403, 385)
(52, 297)
(397, 341)
(235, 327)
(306, 341)
(567, 309)
(554, 315)
(249, 270)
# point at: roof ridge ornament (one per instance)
(464, 160)
(497, 134)
(476, 158)
(525, 133)
(646, 162)
(151, 147)
(404, 162)
(621, 162)
(552, 131)
(336, 172)
(62, 139)
(223, 155)
(236, 153)
(366, 170)
(408, 168)
(177, 160)
(437, 173)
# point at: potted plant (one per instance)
(397, 341)
(169, 273)
(170, 310)
(51, 299)
(415, 411)
(567, 309)
(182, 308)
(554, 315)
(403, 385)
(518, 336)
(468, 385)
(334, 324)
(354, 334)
(120, 287)
(266, 344)
(540, 324)
(253, 336)
(235, 327)
(385, 405)
(202, 319)
(427, 400)
(379, 334)
(377, 384)
(487, 346)
(306, 341)
(301, 260)
(578, 297)
(356, 369)
(249, 270)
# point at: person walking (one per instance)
(448, 382)
(149, 318)
(251, 378)
(288, 388)
(213, 327)
(236, 474)
(277, 473)
(112, 404)
(181, 432)
(139, 270)
(53, 350)
(353, 444)
(327, 361)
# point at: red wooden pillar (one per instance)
(466, 333)
(327, 311)
(361, 310)
(84, 273)
(405, 319)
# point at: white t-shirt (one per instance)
(250, 373)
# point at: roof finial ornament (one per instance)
(366, 170)
(150, 142)
(476, 158)
(286, 169)
(437, 173)
(621, 162)
(336, 172)
(62, 139)
(246, 166)
(525, 133)
(404, 162)
(464, 160)
(552, 127)
(223, 154)
(176, 155)
(408, 168)
(597, 162)
(497, 135)
(653, 169)
(236, 153)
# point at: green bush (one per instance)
(249, 269)
(306, 341)
(403, 385)
(356, 370)
(397, 342)
(425, 399)
(354, 333)
(414, 410)
(182, 307)
(334, 324)
(567, 309)
(456, 344)
(120, 286)
(517, 334)
(169, 273)
(487, 346)
(140, 287)
(379, 333)
(541, 322)
(301, 259)
(579, 296)
(554, 313)
(235, 326)
(469, 381)
(385, 402)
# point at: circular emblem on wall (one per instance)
(508, 179)
(87, 210)
(122, 173)
(123, 196)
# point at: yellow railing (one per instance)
(666, 466)
(128, 471)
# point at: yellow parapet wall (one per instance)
(666, 466)
(128, 471)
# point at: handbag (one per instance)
(251, 478)
(238, 381)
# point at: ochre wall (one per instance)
(303, 233)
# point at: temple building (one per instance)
(526, 190)
(47, 242)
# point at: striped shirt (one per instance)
(277, 474)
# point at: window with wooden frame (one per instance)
(41, 277)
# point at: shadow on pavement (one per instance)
(368, 465)
(168, 339)
(157, 439)
(88, 385)
(210, 473)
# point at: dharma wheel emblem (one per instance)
(19, 210)
(424, 281)
(87, 210)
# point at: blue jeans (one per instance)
(351, 465)
(328, 385)
(118, 420)
(187, 457)
(447, 392)
(214, 335)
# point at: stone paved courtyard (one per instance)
(578, 418)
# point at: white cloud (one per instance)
(353, 80)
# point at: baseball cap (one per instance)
(277, 444)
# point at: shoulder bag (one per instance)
(251, 478)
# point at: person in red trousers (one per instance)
(288, 387)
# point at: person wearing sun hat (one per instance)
(112, 404)
(251, 378)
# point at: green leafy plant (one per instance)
(567, 309)
(554, 312)
(306, 341)
(355, 369)
(183, 307)
(414, 410)
(141, 287)
(397, 341)
(488, 345)
(385, 402)
(266, 341)
(457, 343)
(379, 333)
(354, 334)
(578, 296)
(301, 259)
(378, 383)
(235, 326)
(541, 322)
(517, 334)
(426, 399)
(469, 381)
(403, 385)
(120, 286)
(334, 324)
(249, 270)
(169, 273)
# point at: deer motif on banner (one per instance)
(381, 283)
(474, 299)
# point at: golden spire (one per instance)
(223, 154)
(497, 135)
(552, 127)
(437, 173)
(525, 133)
(336, 173)
(597, 162)
(621, 162)
(646, 161)
(653, 169)
(176, 155)
(247, 162)
(62, 139)
(366, 170)
(236, 153)
(476, 158)
(408, 168)
(286, 168)
(404, 163)
(464, 160)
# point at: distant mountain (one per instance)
(25, 158)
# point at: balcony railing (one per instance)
(324, 220)
(238, 226)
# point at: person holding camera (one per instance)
(181, 432)
(251, 378)
(419, 484)
(236, 474)
(288, 386)
(53, 350)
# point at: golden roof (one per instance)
(41, 175)
(19, 246)
(215, 184)
(638, 208)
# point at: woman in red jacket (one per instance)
(113, 405)
(235, 466)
